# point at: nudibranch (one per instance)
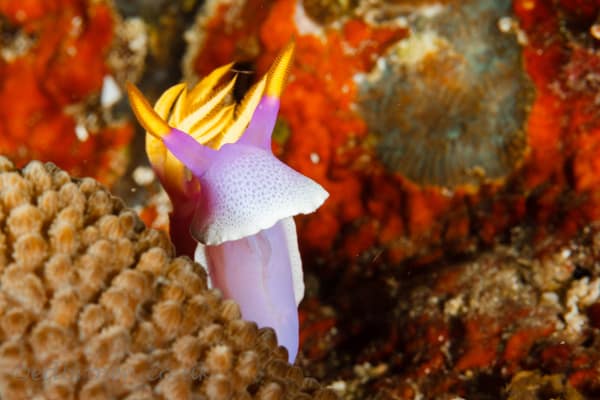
(231, 194)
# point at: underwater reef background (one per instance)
(459, 140)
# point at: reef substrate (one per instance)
(514, 322)
(61, 68)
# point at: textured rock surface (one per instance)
(517, 321)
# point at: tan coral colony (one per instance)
(94, 306)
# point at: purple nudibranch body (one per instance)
(244, 207)
(257, 272)
(244, 227)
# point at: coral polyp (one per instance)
(449, 102)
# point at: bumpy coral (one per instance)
(93, 305)
(61, 64)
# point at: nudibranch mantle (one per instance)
(233, 196)
(261, 189)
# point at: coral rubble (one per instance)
(513, 322)
(93, 305)
(532, 385)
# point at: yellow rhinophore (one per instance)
(278, 73)
(207, 112)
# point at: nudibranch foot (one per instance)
(260, 272)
